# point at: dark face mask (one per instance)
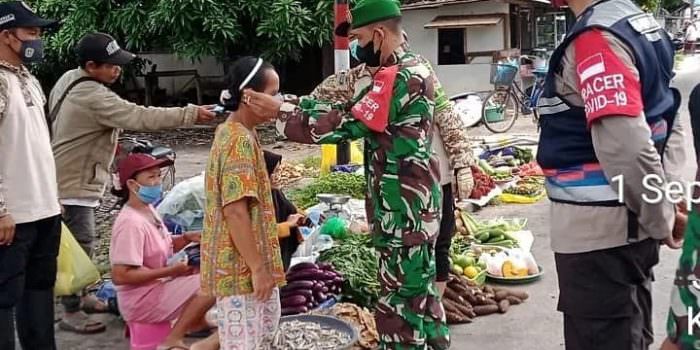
(31, 51)
(367, 55)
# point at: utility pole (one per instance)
(342, 62)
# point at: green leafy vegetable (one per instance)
(334, 183)
(356, 260)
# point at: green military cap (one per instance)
(366, 12)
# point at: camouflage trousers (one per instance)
(409, 314)
(684, 294)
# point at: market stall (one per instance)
(332, 283)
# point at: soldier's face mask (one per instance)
(353, 49)
(367, 54)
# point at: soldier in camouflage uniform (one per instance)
(451, 145)
(344, 87)
(686, 289)
(402, 173)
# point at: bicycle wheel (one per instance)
(168, 178)
(499, 111)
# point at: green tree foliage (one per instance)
(654, 5)
(275, 29)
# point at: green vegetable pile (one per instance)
(356, 260)
(334, 183)
(524, 154)
(495, 232)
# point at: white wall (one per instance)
(207, 66)
(458, 78)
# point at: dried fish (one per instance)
(361, 318)
(297, 335)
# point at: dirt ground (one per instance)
(535, 325)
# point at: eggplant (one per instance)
(310, 305)
(306, 275)
(325, 266)
(293, 300)
(294, 310)
(299, 285)
(320, 297)
(306, 293)
(318, 286)
(324, 289)
(327, 276)
(338, 280)
(302, 266)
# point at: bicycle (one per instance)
(503, 105)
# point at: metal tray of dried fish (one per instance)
(310, 332)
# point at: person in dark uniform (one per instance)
(608, 122)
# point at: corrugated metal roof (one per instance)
(463, 21)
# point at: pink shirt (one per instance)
(138, 241)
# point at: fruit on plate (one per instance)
(509, 269)
(471, 272)
(511, 263)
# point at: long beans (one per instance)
(356, 260)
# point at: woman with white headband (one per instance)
(241, 263)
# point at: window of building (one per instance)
(451, 46)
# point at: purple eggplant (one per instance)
(294, 300)
(318, 286)
(302, 266)
(294, 310)
(306, 275)
(320, 297)
(324, 290)
(310, 305)
(306, 293)
(327, 276)
(325, 266)
(299, 285)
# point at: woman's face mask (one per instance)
(150, 194)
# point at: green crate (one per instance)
(493, 114)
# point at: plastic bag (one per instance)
(469, 109)
(328, 156)
(183, 207)
(313, 244)
(75, 269)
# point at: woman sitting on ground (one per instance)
(148, 290)
(287, 215)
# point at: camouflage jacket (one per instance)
(402, 171)
(346, 85)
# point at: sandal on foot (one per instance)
(91, 305)
(81, 325)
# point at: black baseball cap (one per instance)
(17, 14)
(102, 48)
